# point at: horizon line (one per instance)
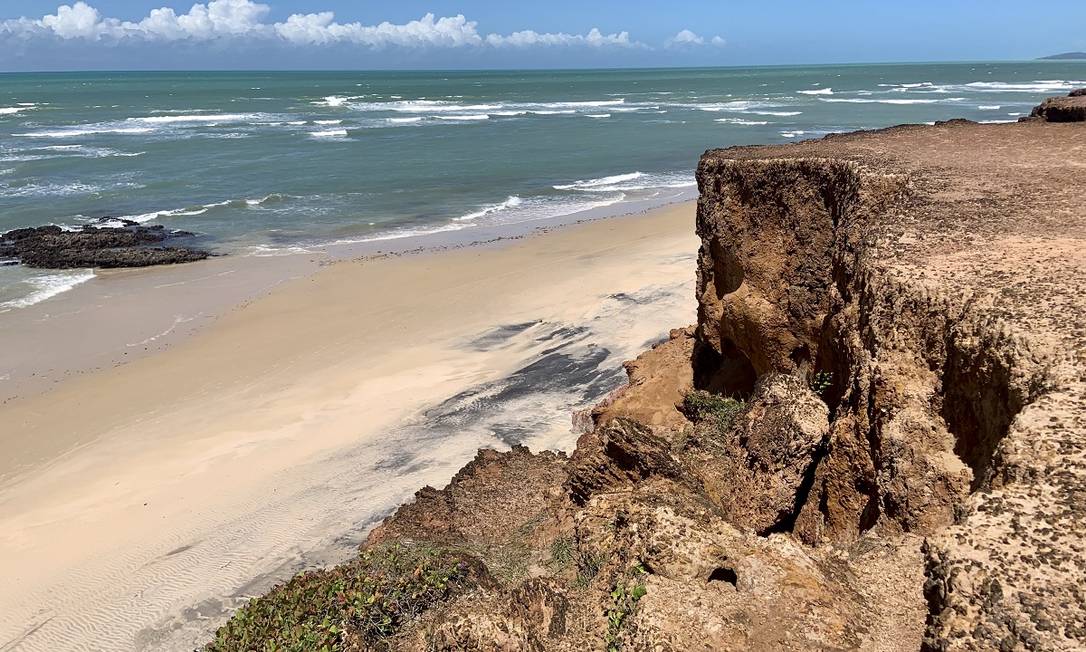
(540, 69)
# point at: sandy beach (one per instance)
(142, 502)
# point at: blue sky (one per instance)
(231, 34)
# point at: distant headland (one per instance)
(1066, 56)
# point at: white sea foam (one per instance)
(405, 120)
(793, 133)
(512, 202)
(85, 130)
(868, 100)
(631, 182)
(989, 107)
(464, 118)
(1038, 86)
(267, 251)
(742, 121)
(996, 122)
(47, 286)
(529, 210)
(333, 100)
(908, 86)
(820, 91)
(56, 189)
(507, 114)
(398, 234)
(598, 115)
(196, 118)
(600, 182)
(274, 197)
(424, 106)
(327, 122)
(12, 110)
(782, 114)
(329, 133)
(733, 106)
(498, 109)
(176, 212)
(586, 104)
(61, 151)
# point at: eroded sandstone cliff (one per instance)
(873, 438)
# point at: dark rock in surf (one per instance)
(128, 245)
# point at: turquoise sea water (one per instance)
(258, 162)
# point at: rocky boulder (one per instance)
(1063, 109)
(760, 470)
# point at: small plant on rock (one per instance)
(627, 592)
(588, 567)
(821, 383)
(701, 406)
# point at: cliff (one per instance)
(874, 438)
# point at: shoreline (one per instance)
(129, 313)
(242, 448)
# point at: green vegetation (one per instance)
(821, 383)
(353, 606)
(562, 552)
(508, 563)
(702, 406)
(588, 567)
(624, 598)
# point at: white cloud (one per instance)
(217, 18)
(531, 38)
(321, 28)
(687, 38)
(79, 21)
(221, 19)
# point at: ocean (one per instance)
(261, 163)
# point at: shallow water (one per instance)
(260, 162)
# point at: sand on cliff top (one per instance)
(154, 496)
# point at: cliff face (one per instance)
(933, 284)
(874, 438)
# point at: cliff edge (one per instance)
(874, 438)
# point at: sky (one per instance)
(448, 34)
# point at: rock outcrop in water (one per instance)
(873, 439)
(129, 245)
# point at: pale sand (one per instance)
(146, 500)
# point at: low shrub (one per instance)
(352, 606)
(701, 406)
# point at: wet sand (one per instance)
(141, 502)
